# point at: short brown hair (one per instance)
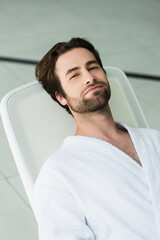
(45, 68)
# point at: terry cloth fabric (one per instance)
(89, 189)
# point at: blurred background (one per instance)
(127, 35)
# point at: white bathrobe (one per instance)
(89, 189)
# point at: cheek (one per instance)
(100, 74)
(71, 92)
(74, 88)
(104, 75)
(105, 78)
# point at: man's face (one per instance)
(83, 81)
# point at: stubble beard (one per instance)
(96, 102)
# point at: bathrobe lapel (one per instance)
(146, 147)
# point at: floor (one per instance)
(125, 32)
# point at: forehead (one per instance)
(76, 57)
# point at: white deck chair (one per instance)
(36, 126)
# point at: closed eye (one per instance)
(73, 76)
(92, 68)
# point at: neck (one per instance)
(98, 124)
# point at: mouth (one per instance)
(92, 89)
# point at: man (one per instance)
(103, 182)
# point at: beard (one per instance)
(96, 101)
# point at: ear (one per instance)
(61, 99)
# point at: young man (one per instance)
(103, 183)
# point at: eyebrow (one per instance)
(77, 68)
(91, 62)
(72, 70)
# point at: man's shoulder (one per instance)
(55, 161)
(49, 174)
(148, 131)
(145, 133)
(148, 134)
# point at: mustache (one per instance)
(94, 84)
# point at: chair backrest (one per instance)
(36, 126)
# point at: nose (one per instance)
(89, 78)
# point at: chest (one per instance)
(128, 148)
